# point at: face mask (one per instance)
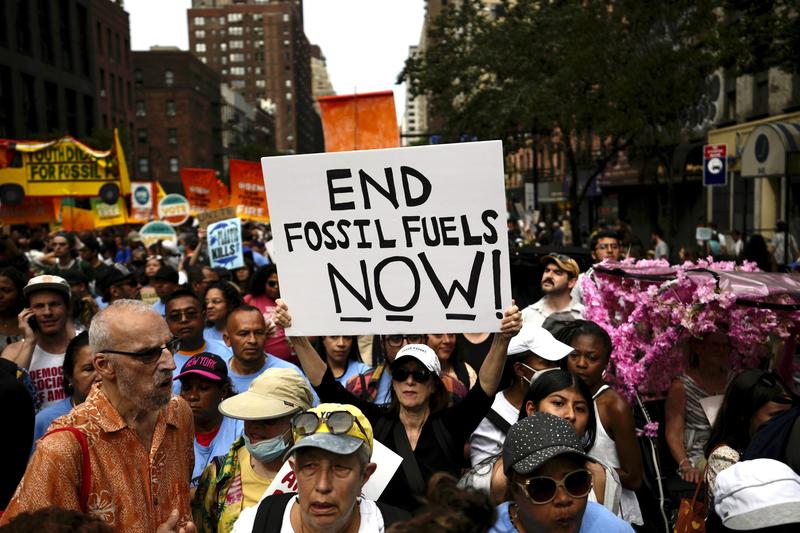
(536, 373)
(267, 450)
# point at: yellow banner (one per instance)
(108, 214)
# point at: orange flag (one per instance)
(200, 186)
(359, 121)
(248, 194)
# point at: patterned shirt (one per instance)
(132, 489)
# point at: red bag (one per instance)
(692, 514)
(86, 470)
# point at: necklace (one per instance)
(513, 513)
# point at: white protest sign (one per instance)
(225, 244)
(403, 240)
(388, 462)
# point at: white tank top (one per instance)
(605, 450)
(46, 373)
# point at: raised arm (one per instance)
(313, 365)
(492, 368)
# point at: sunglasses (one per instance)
(397, 340)
(177, 316)
(150, 355)
(420, 376)
(272, 283)
(607, 246)
(543, 489)
(338, 422)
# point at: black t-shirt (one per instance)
(473, 354)
(459, 421)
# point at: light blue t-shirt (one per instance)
(160, 307)
(230, 430)
(242, 383)
(213, 334)
(596, 519)
(384, 394)
(46, 416)
(354, 368)
(217, 348)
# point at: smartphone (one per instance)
(33, 323)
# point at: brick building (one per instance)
(178, 115)
(64, 67)
(261, 51)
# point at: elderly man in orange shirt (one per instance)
(134, 474)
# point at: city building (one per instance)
(178, 115)
(320, 81)
(414, 127)
(261, 51)
(65, 67)
(248, 132)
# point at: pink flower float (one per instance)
(650, 308)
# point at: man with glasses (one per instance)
(186, 321)
(559, 278)
(331, 463)
(605, 245)
(134, 474)
(549, 483)
(375, 385)
(118, 283)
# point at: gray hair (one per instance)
(364, 454)
(100, 337)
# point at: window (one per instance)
(173, 164)
(199, 21)
(202, 58)
(138, 78)
(258, 44)
(200, 34)
(172, 136)
(224, 71)
(102, 82)
(141, 135)
(761, 93)
(238, 84)
(200, 47)
(237, 44)
(235, 30)
(223, 47)
(140, 109)
(144, 166)
(261, 84)
(171, 108)
(288, 83)
(222, 21)
(237, 58)
(286, 17)
(237, 71)
(257, 70)
(234, 17)
(224, 60)
(169, 78)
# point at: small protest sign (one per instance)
(403, 240)
(155, 231)
(174, 209)
(225, 244)
(142, 199)
(247, 191)
(200, 188)
(205, 218)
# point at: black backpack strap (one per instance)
(498, 421)
(269, 516)
(392, 514)
(409, 464)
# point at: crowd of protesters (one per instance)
(150, 392)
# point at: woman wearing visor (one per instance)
(418, 424)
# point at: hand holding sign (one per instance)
(512, 321)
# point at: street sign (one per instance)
(715, 164)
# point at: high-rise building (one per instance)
(414, 127)
(261, 51)
(245, 128)
(65, 66)
(320, 81)
(178, 115)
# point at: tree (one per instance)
(592, 78)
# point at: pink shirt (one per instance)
(276, 344)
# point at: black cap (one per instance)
(167, 273)
(534, 440)
(74, 277)
(207, 365)
(118, 273)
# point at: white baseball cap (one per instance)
(756, 494)
(422, 353)
(541, 342)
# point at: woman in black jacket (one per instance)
(417, 425)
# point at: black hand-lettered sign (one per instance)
(403, 240)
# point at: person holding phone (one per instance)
(47, 331)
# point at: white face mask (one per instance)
(536, 373)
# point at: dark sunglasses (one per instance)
(338, 422)
(397, 340)
(177, 316)
(150, 355)
(272, 283)
(543, 489)
(420, 376)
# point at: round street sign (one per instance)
(173, 209)
(715, 165)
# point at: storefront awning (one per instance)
(772, 150)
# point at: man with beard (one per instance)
(559, 277)
(46, 331)
(135, 475)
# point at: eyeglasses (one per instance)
(397, 340)
(272, 283)
(150, 355)
(177, 316)
(338, 422)
(543, 489)
(607, 246)
(420, 376)
(561, 257)
(150, 257)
